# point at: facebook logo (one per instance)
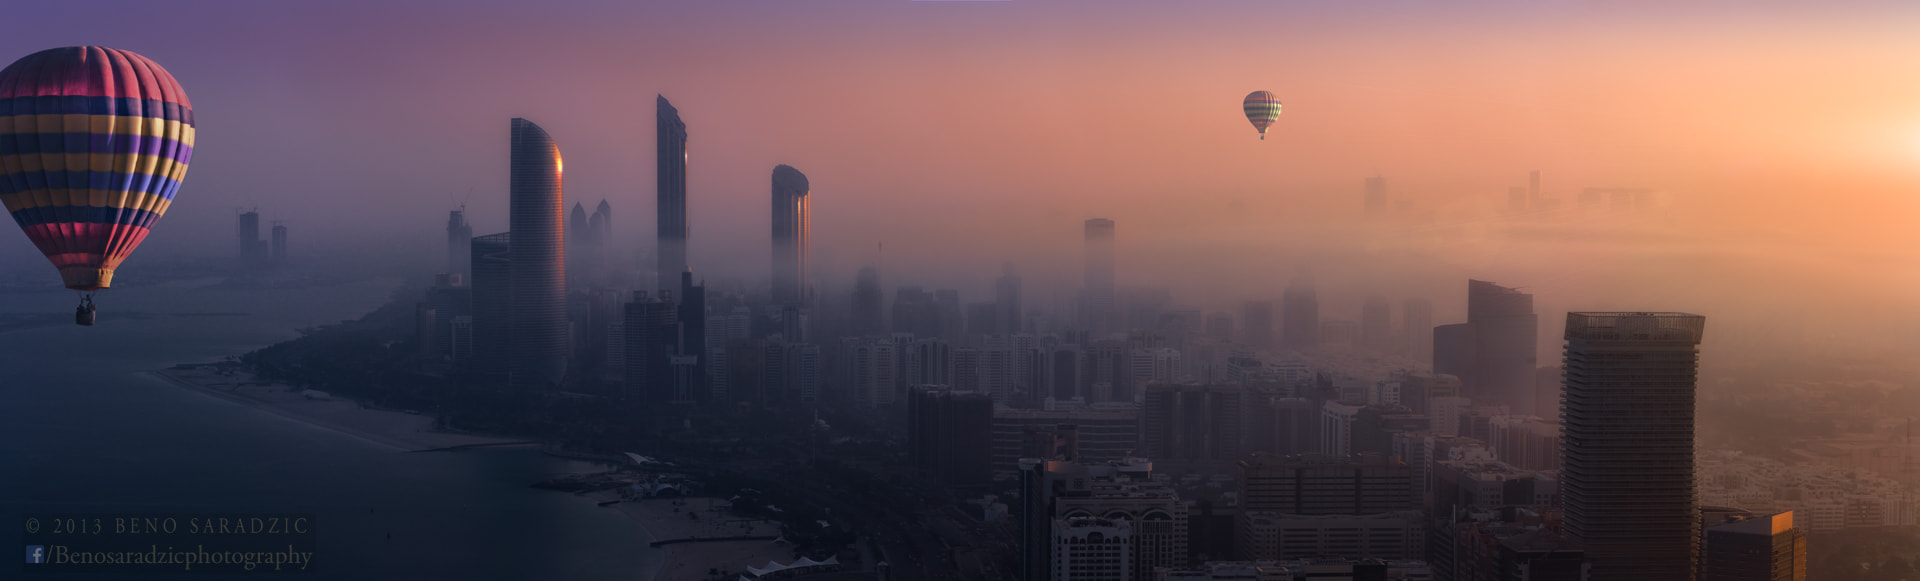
(36, 554)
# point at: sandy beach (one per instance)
(395, 429)
(667, 519)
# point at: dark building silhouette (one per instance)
(1628, 440)
(952, 321)
(279, 247)
(692, 341)
(492, 303)
(459, 244)
(1006, 301)
(1283, 426)
(1099, 303)
(869, 319)
(790, 190)
(950, 435)
(1766, 548)
(1302, 315)
(1191, 422)
(1417, 315)
(1540, 555)
(1220, 327)
(537, 357)
(653, 332)
(670, 138)
(253, 250)
(915, 313)
(1506, 341)
(1453, 350)
(1256, 324)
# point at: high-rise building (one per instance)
(578, 231)
(1376, 324)
(1376, 197)
(1628, 460)
(652, 328)
(946, 303)
(1191, 422)
(1417, 315)
(1092, 549)
(868, 318)
(692, 341)
(1256, 324)
(1767, 548)
(790, 190)
(599, 238)
(1324, 485)
(1123, 490)
(253, 250)
(1453, 352)
(1302, 315)
(1006, 301)
(537, 357)
(1220, 328)
(670, 157)
(459, 244)
(1099, 305)
(950, 435)
(1506, 339)
(279, 247)
(492, 303)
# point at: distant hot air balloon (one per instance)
(94, 142)
(1262, 109)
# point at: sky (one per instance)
(1782, 139)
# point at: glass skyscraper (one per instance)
(537, 357)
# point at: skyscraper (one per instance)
(1506, 336)
(1767, 548)
(1302, 315)
(492, 302)
(693, 332)
(868, 319)
(671, 192)
(576, 242)
(537, 357)
(1098, 308)
(789, 235)
(1006, 300)
(1627, 413)
(459, 244)
(1417, 315)
(1376, 197)
(279, 242)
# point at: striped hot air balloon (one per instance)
(1262, 108)
(94, 142)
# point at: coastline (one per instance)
(689, 561)
(398, 430)
(657, 518)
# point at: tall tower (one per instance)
(868, 321)
(459, 244)
(1099, 309)
(1006, 300)
(492, 283)
(789, 235)
(1627, 409)
(1417, 315)
(537, 357)
(279, 252)
(1507, 337)
(671, 136)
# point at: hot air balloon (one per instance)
(94, 142)
(1262, 109)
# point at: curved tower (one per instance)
(538, 344)
(789, 235)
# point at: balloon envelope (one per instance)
(1262, 108)
(94, 142)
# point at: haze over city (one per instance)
(1752, 163)
(961, 135)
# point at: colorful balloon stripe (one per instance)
(1262, 108)
(94, 143)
